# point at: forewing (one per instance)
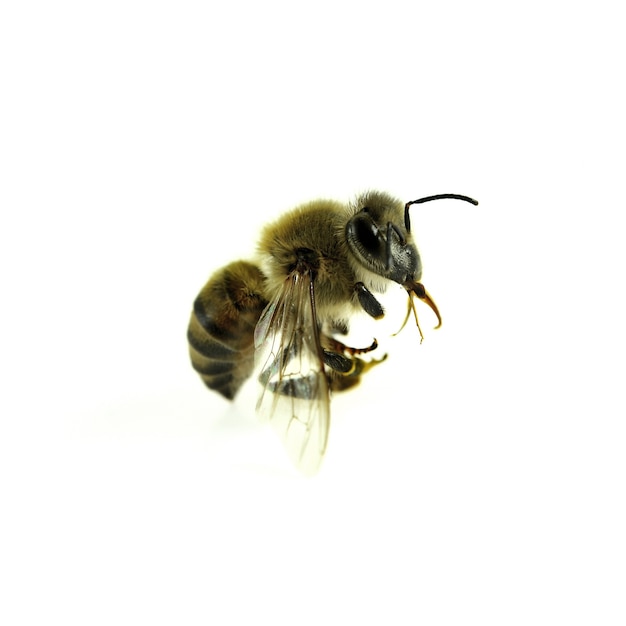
(294, 387)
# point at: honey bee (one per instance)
(316, 267)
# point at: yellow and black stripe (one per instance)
(221, 328)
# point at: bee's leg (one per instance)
(368, 301)
(340, 381)
(346, 368)
(335, 345)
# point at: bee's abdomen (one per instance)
(221, 328)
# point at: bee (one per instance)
(285, 313)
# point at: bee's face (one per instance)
(379, 240)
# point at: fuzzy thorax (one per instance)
(311, 238)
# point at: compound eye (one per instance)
(368, 234)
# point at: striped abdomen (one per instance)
(221, 328)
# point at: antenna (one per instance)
(441, 196)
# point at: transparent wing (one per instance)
(294, 386)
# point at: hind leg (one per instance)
(345, 367)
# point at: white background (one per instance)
(477, 478)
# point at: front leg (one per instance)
(368, 301)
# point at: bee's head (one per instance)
(379, 236)
(380, 239)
